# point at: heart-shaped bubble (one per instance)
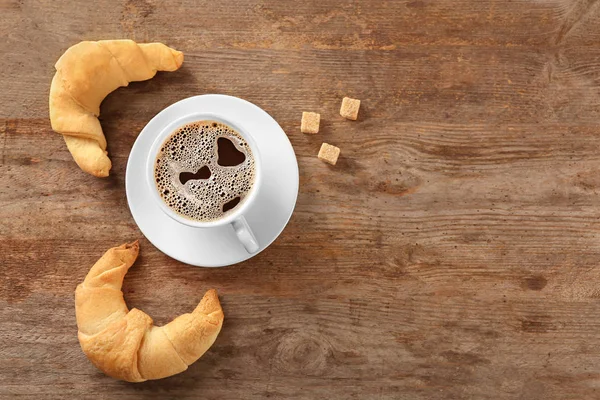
(228, 154)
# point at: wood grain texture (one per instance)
(452, 253)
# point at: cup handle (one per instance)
(245, 234)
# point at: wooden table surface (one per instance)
(453, 252)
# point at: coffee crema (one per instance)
(204, 170)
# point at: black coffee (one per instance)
(204, 170)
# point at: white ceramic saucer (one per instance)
(268, 214)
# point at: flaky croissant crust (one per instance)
(85, 74)
(124, 343)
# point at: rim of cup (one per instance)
(165, 133)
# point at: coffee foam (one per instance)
(190, 148)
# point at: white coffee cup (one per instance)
(266, 210)
(235, 217)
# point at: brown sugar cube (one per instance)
(310, 122)
(329, 153)
(350, 108)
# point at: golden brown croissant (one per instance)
(85, 74)
(125, 344)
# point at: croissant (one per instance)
(124, 343)
(85, 74)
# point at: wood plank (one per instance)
(452, 253)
